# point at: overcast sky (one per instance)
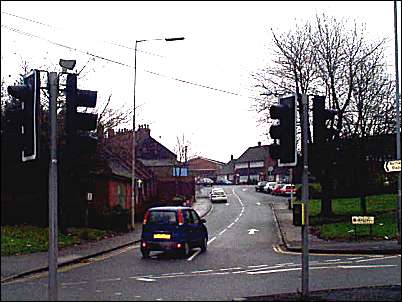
(199, 87)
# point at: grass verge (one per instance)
(24, 239)
(382, 207)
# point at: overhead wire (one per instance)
(120, 63)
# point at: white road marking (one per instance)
(332, 260)
(204, 271)
(212, 239)
(252, 231)
(110, 280)
(223, 231)
(169, 274)
(258, 203)
(230, 225)
(229, 269)
(274, 271)
(118, 294)
(145, 279)
(374, 259)
(254, 266)
(366, 266)
(194, 255)
(73, 283)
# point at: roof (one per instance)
(158, 162)
(227, 168)
(256, 153)
(170, 208)
(207, 159)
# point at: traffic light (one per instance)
(27, 117)
(79, 98)
(79, 121)
(285, 111)
(322, 134)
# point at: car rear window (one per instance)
(162, 217)
(219, 193)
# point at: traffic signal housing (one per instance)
(79, 98)
(321, 133)
(75, 121)
(27, 117)
(285, 132)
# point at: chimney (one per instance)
(259, 144)
(143, 132)
(110, 133)
(231, 157)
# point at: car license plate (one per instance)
(161, 236)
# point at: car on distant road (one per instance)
(260, 186)
(223, 182)
(172, 228)
(277, 189)
(205, 181)
(218, 195)
(288, 190)
(269, 186)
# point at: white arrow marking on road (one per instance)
(252, 231)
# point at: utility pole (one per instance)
(398, 125)
(53, 87)
(305, 197)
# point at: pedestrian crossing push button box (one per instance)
(298, 214)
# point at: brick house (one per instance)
(112, 182)
(203, 167)
(256, 164)
(158, 159)
(227, 172)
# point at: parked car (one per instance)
(277, 189)
(260, 186)
(269, 186)
(205, 181)
(287, 190)
(218, 195)
(172, 229)
(223, 182)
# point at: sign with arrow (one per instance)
(252, 231)
(392, 166)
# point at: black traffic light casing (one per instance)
(285, 132)
(79, 98)
(321, 133)
(27, 117)
(298, 214)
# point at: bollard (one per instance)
(289, 204)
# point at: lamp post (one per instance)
(133, 186)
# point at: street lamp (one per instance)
(133, 186)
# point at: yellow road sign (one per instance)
(362, 219)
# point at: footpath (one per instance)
(13, 267)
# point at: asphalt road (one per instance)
(243, 260)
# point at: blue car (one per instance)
(173, 228)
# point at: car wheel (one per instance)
(145, 253)
(204, 245)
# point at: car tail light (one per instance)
(144, 244)
(145, 218)
(178, 245)
(180, 217)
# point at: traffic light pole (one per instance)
(53, 251)
(305, 248)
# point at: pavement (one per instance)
(13, 267)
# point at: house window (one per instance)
(121, 195)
